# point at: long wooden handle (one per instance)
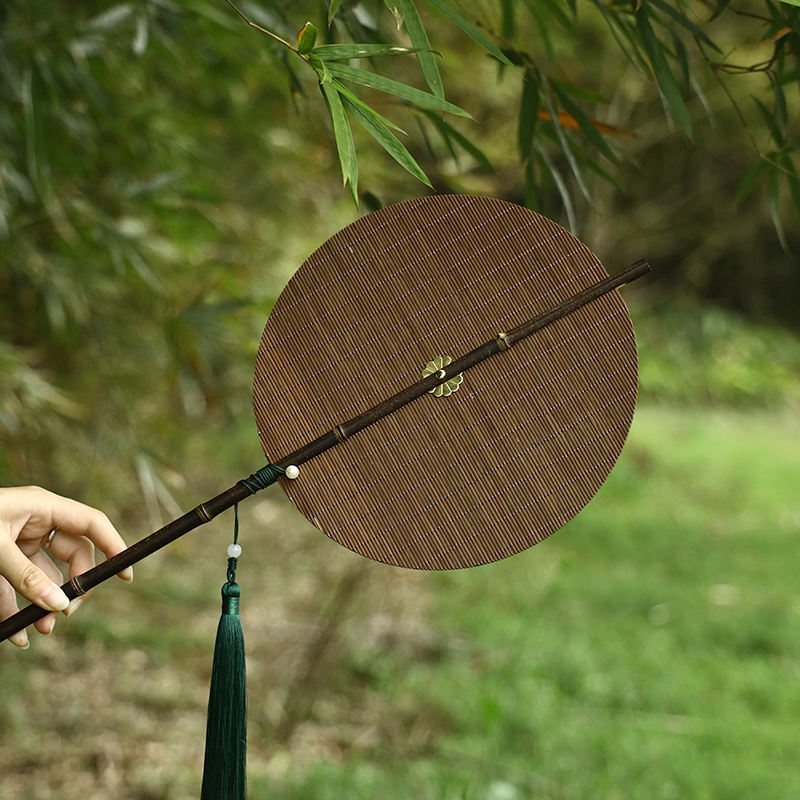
(211, 508)
(81, 584)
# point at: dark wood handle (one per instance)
(211, 508)
(81, 584)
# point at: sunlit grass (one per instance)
(651, 649)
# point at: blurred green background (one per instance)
(164, 170)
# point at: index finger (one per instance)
(79, 520)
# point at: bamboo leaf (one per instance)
(607, 177)
(471, 31)
(332, 9)
(528, 109)
(606, 14)
(562, 139)
(556, 12)
(773, 197)
(419, 40)
(423, 130)
(543, 26)
(663, 74)
(578, 91)
(791, 2)
(374, 81)
(306, 39)
(140, 39)
(507, 25)
(794, 184)
(749, 181)
(320, 67)
(682, 57)
(112, 18)
(393, 6)
(451, 134)
(784, 31)
(372, 123)
(780, 105)
(343, 135)
(772, 30)
(683, 21)
(561, 185)
(704, 102)
(586, 126)
(345, 92)
(531, 190)
(448, 142)
(568, 121)
(344, 52)
(720, 7)
(771, 122)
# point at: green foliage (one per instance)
(647, 648)
(692, 356)
(163, 170)
(642, 651)
(651, 35)
(149, 157)
(118, 295)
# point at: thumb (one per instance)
(28, 579)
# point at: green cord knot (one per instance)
(263, 477)
(259, 480)
(230, 598)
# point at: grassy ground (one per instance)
(651, 649)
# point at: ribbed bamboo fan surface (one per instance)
(507, 457)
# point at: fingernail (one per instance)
(26, 646)
(73, 606)
(18, 638)
(127, 574)
(54, 598)
(52, 625)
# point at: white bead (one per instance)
(292, 472)
(234, 551)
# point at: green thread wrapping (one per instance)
(231, 594)
(259, 480)
(263, 477)
(224, 769)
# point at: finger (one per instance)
(46, 624)
(78, 552)
(30, 581)
(78, 519)
(8, 607)
(46, 565)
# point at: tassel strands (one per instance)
(225, 766)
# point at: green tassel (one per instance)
(224, 770)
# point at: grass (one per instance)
(650, 649)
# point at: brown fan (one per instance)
(442, 384)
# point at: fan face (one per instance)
(492, 465)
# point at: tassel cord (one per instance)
(224, 768)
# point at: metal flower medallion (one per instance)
(437, 367)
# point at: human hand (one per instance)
(28, 515)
